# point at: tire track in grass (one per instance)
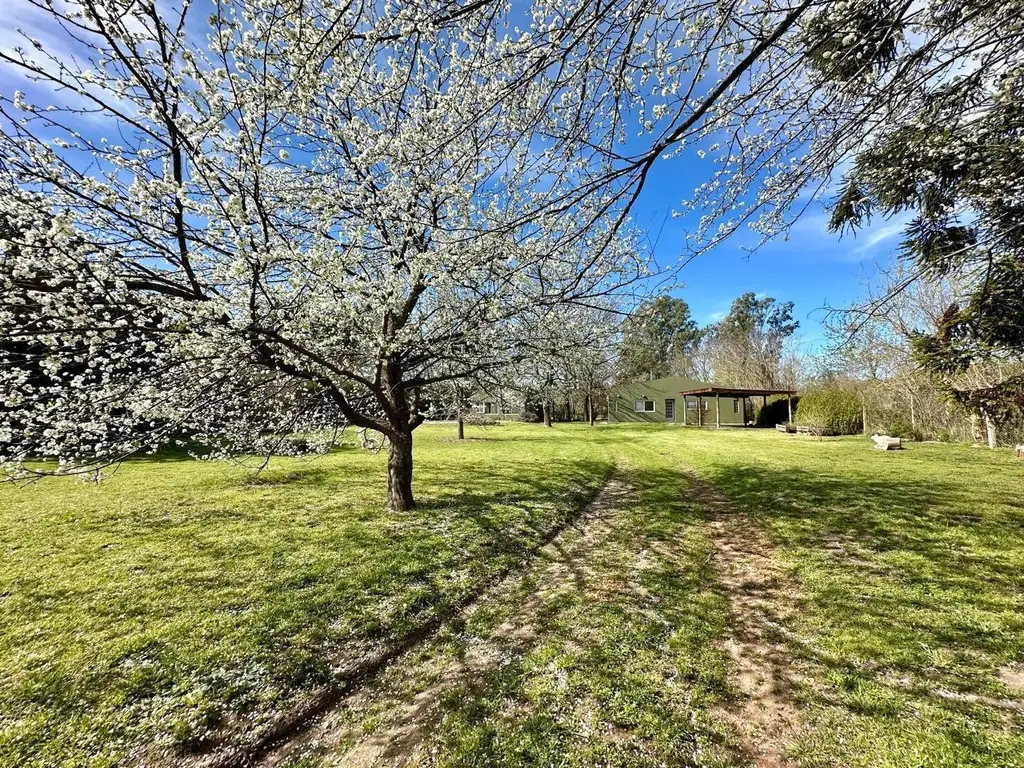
(764, 714)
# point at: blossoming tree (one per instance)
(299, 214)
(284, 225)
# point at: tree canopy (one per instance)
(660, 330)
(948, 155)
(749, 342)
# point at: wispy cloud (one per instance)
(877, 237)
(810, 234)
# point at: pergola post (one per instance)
(789, 406)
(700, 414)
(718, 411)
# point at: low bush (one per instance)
(901, 427)
(835, 410)
(482, 419)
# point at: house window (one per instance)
(670, 409)
(644, 406)
(735, 406)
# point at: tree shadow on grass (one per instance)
(470, 540)
(915, 581)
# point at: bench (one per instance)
(886, 443)
(814, 430)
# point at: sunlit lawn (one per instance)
(150, 607)
(156, 609)
(911, 566)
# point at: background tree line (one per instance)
(873, 354)
(750, 347)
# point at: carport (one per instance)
(706, 393)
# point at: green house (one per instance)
(679, 400)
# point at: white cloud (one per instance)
(879, 236)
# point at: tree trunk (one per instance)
(590, 410)
(400, 497)
(546, 407)
(990, 429)
(460, 401)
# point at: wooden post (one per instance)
(718, 411)
(789, 406)
(700, 416)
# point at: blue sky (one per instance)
(812, 268)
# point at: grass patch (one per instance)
(180, 601)
(179, 598)
(625, 671)
(913, 575)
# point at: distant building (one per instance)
(497, 405)
(659, 400)
(669, 400)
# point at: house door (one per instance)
(670, 410)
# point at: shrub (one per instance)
(482, 419)
(899, 426)
(835, 410)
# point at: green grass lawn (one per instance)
(180, 602)
(911, 565)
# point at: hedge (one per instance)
(836, 410)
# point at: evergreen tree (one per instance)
(660, 330)
(951, 156)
